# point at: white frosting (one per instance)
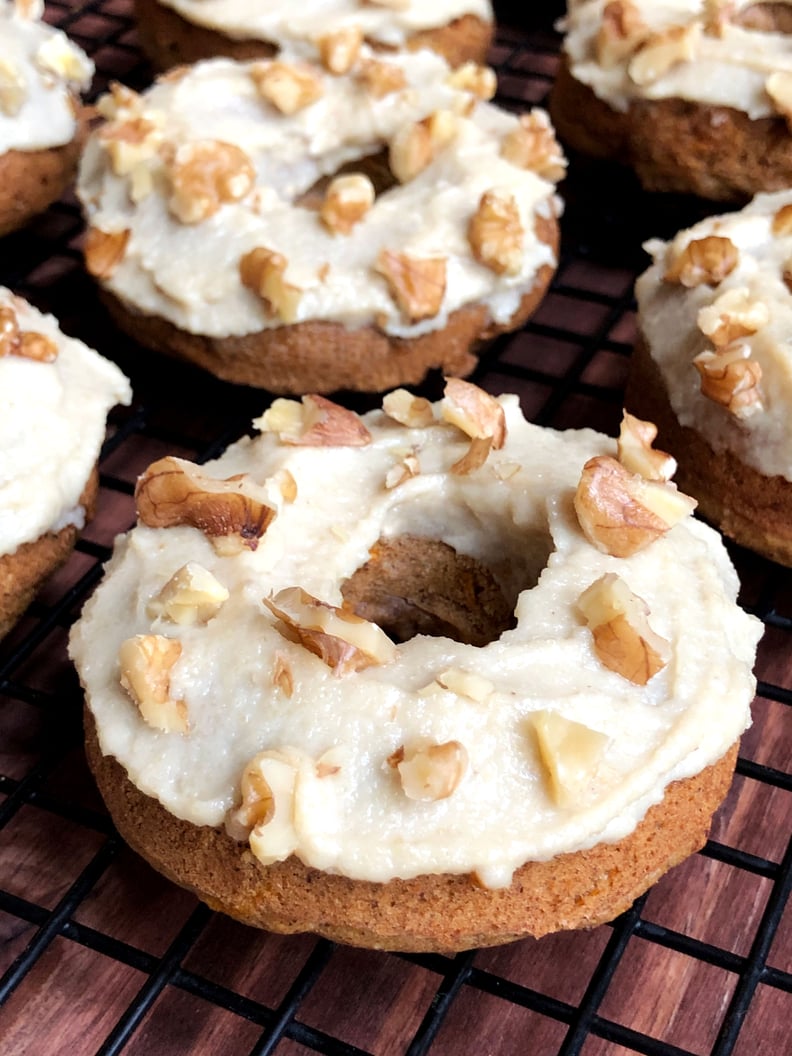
(298, 25)
(510, 514)
(52, 424)
(41, 70)
(189, 273)
(668, 315)
(726, 70)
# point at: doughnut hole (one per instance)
(375, 166)
(413, 585)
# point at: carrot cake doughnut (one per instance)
(713, 367)
(41, 125)
(696, 95)
(182, 31)
(287, 227)
(426, 679)
(55, 393)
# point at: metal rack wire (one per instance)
(100, 955)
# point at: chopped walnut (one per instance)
(431, 772)
(346, 202)
(478, 414)
(779, 87)
(117, 99)
(342, 640)
(282, 675)
(263, 271)
(417, 284)
(37, 346)
(9, 331)
(474, 78)
(146, 664)
(58, 55)
(339, 51)
(265, 815)
(466, 684)
(192, 596)
(704, 260)
(290, 87)
(571, 754)
(174, 492)
(206, 174)
(621, 33)
(406, 409)
(782, 221)
(661, 52)
(380, 78)
(411, 150)
(731, 378)
(716, 15)
(623, 639)
(533, 145)
(130, 142)
(315, 421)
(620, 512)
(636, 453)
(13, 88)
(402, 471)
(104, 251)
(496, 235)
(733, 315)
(287, 485)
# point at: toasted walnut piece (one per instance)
(623, 639)
(314, 422)
(339, 51)
(58, 55)
(782, 221)
(474, 458)
(432, 771)
(380, 78)
(571, 754)
(263, 271)
(9, 331)
(661, 52)
(404, 470)
(282, 676)
(621, 513)
(779, 87)
(191, 596)
(117, 99)
(417, 284)
(495, 233)
(37, 346)
(146, 664)
(716, 16)
(346, 202)
(129, 143)
(474, 78)
(290, 87)
(411, 150)
(265, 814)
(287, 485)
(406, 409)
(104, 251)
(478, 414)
(731, 378)
(704, 260)
(621, 33)
(342, 640)
(533, 145)
(204, 175)
(466, 684)
(13, 88)
(636, 453)
(174, 492)
(733, 315)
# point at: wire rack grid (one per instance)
(99, 955)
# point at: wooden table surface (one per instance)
(98, 954)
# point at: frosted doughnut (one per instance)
(543, 730)
(219, 236)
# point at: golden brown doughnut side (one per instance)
(31, 180)
(323, 357)
(674, 145)
(170, 40)
(428, 913)
(753, 509)
(23, 572)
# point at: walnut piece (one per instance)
(417, 284)
(495, 233)
(662, 51)
(716, 16)
(623, 639)
(380, 78)
(733, 315)
(314, 421)
(204, 175)
(621, 33)
(466, 684)
(27, 344)
(191, 596)
(731, 378)
(402, 471)
(263, 271)
(571, 754)
(620, 512)
(636, 453)
(13, 88)
(104, 250)
(704, 260)
(478, 414)
(431, 772)
(346, 202)
(282, 675)
(410, 151)
(146, 664)
(406, 409)
(779, 87)
(474, 78)
(339, 51)
(782, 221)
(289, 87)
(342, 640)
(174, 492)
(533, 145)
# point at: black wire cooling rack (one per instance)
(99, 955)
